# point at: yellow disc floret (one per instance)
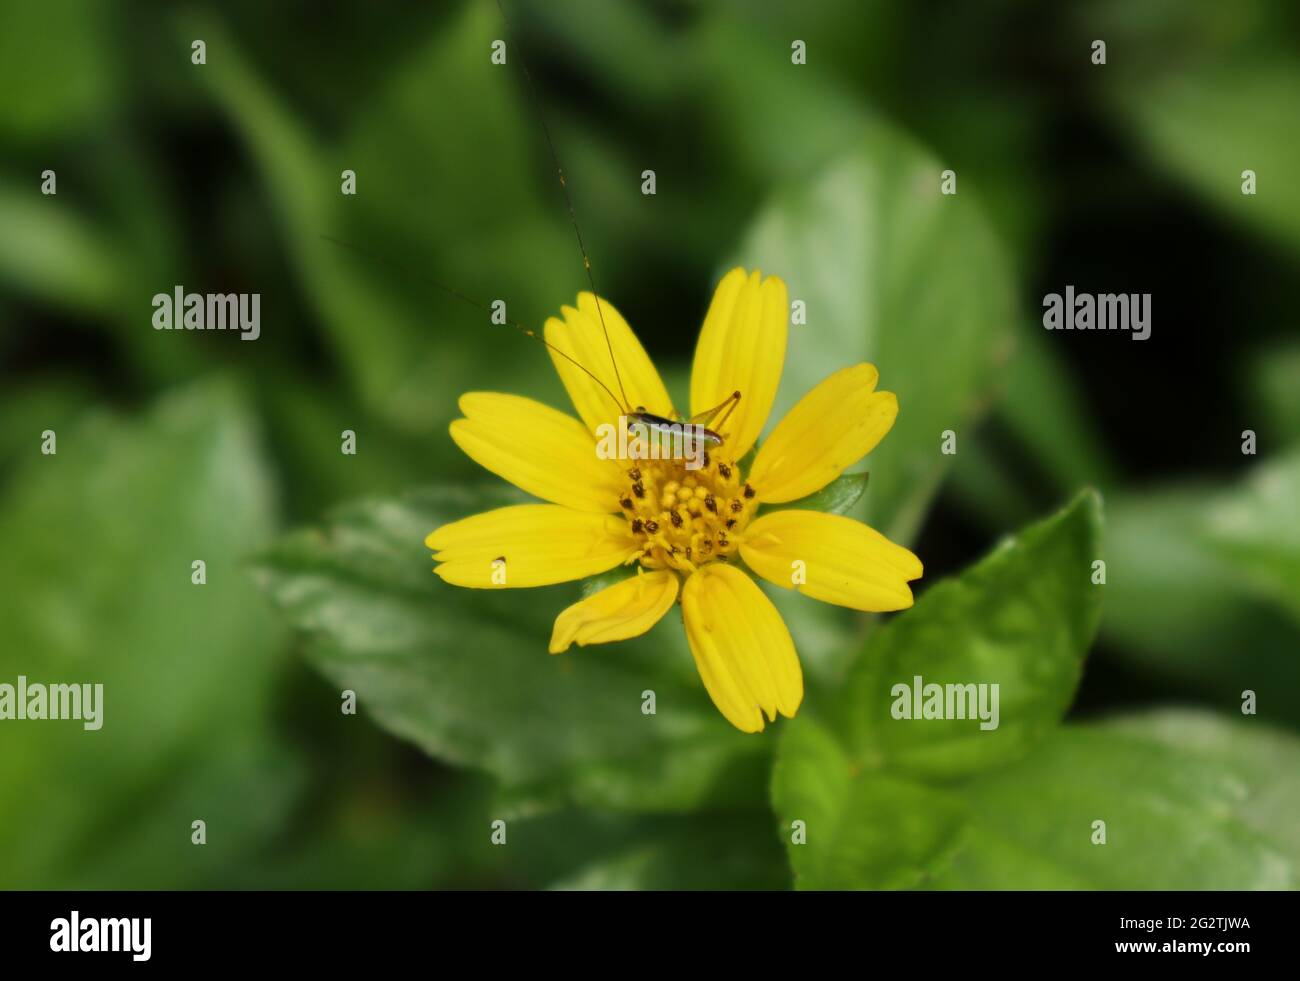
(685, 518)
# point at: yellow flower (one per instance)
(686, 528)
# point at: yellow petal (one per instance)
(842, 561)
(580, 336)
(741, 645)
(831, 428)
(529, 545)
(741, 349)
(538, 449)
(626, 609)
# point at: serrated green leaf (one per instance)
(1189, 802)
(851, 827)
(464, 674)
(1022, 619)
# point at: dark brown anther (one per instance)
(731, 522)
(711, 504)
(676, 519)
(652, 526)
(749, 491)
(722, 540)
(637, 526)
(737, 506)
(706, 459)
(626, 502)
(635, 474)
(638, 489)
(725, 471)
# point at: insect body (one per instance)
(662, 425)
(659, 426)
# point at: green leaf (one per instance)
(863, 828)
(301, 186)
(60, 72)
(95, 588)
(1022, 619)
(243, 786)
(1263, 760)
(1189, 802)
(1255, 528)
(464, 674)
(302, 416)
(488, 224)
(982, 485)
(898, 274)
(375, 823)
(49, 250)
(1046, 410)
(579, 33)
(754, 101)
(487, 200)
(422, 216)
(837, 497)
(30, 407)
(1209, 125)
(1274, 381)
(594, 584)
(1180, 610)
(710, 851)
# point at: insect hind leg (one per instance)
(715, 417)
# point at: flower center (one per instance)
(685, 518)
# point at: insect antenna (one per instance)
(451, 291)
(568, 200)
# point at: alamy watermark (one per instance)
(1102, 311)
(23, 702)
(102, 934)
(179, 310)
(637, 439)
(921, 700)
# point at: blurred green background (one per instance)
(172, 446)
